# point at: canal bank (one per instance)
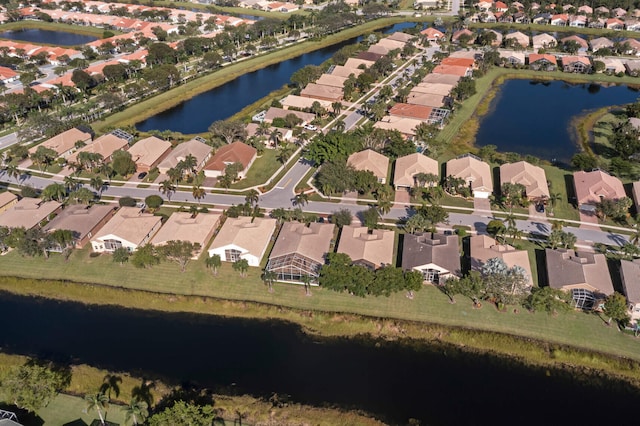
(164, 101)
(55, 26)
(384, 377)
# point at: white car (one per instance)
(310, 127)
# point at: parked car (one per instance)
(310, 127)
(142, 175)
(540, 208)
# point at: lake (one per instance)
(196, 114)
(394, 381)
(534, 117)
(57, 38)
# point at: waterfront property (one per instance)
(300, 251)
(183, 226)
(243, 238)
(435, 256)
(148, 152)
(592, 187)
(83, 221)
(474, 171)
(533, 178)
(129, 228)
(29, 213)
(584, 274)
(372, 249)
(483, 247)
(630, 277)
(193, 147)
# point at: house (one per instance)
(194, 147)
(576, 64)
(459, 71)
(483, 247)
(635, 190)
(300, 251)
(236, 152)
(406, 126)
(582, 43)
(631, 46)
(273, 113)
(512, 57)
(298, 102)
(65, 143)
(342, 71)
(559, 20)
(592, 187)
(402, 37)
(416, 112)
(597, 23)
(436, 256)
(372, 249)
(83, 221)
(484, 6)
(434, 88)
(428, 99)
(544, 41)
(441, 79)
(612, 65)
(619, 12)
(458, 61)
(601, 10)
(578, 21)
(474, 171)
(354, 63)
(105, 146)
(633, 68)
(372, 161)
(517, 38)
(500, 6)
(600, 43)
(584, 274)
(490, 17)
(129, 228)
(585, 10)
(497, 42)
(7, 200)
(183, 226)
(148, 152)
(243, 238)
(407, 167)
(432, 34)
(319, 91)
(532, 177)
(29, 213)
(632, 25)
(331, 80)
(542, 18)
(7, 75)
(542, 62)
(630, 277)
(465, 34)
(614, 24)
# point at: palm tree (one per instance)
(190, 163)
(99, 402)
(269, 278)
(285, 152)
(553, 200)
(300, 199)
(337, 108)
(137, 411)
(213, 262)
(384, 207)
(275, 137)
(71, 183)
(97, 183)
(242, 266)
(12, 171)
(198, 193)
(635, 237)
(167, 188)
(252, 197)
(306, 280)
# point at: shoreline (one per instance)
(531, 352)
(53, 26)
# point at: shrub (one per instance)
(127, 202)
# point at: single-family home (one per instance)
(561, 20)
(489, 17)
(29, 213)
(406, 126)
(516, 38)
(585, 10)
(474, 171)
(597, 23)
(592, 187)
(632, 25)
(584, 274)
(66, 142)
(459, 61)
(342, 71)
(236, 152)
(331, 80)
(463, 34)
(614, 24)
(354, 63)
(433, 88)
(583, 45)
(578, 21)
(409, 166)
(630, 277)
(542, 18)
(512, 57)
(601, 10)
(298, 102)
(630, 46)
(632, 67)
(129, 228)
(402, 37)
(83, 221)
(273, 113)
(372, 249)
(7, 200)
(197, 148)
(600, 43)
(105, 146)
(436, 256)
(619, 12)
(612, 65)
(483, 247)
(432, 34)
(148, 152)
(243, 238)
(7, 75)
(576, 64)
(320, 91)
(441, 79)
(459, 71)
(484, 5)
(300, 250)
(372, 161)
(533, 178)
(542, 62)
(500, 6)
(635, 192)
(428, 99)
(183, 226)
(416, 112)
(370, 56)
(497, 41)
(544, 41)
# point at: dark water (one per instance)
(58, 38)
(530, 117)
(391, 380)
(196, 114)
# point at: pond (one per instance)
(392, 380)
(534, 117)
(57, 38)
(196, 114)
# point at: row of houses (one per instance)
(269, 6)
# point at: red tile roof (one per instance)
(419, 112)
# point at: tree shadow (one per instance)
(143, 391)
(111, 382)
(187, 392)
(77, 422)
(569, 186)
(541, 266)
(64, 371)
(24, 417)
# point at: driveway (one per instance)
(403, 198)
(481, 206)
(591, 219)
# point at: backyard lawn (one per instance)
(262, 169)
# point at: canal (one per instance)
(196, 114)
(57, 38)
(392, 380)
(534, 117)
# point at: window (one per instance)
(232, 255)
(112, 245)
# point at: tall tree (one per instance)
(616, 308)
(32, 386)
(98, 402)
(213, 262)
